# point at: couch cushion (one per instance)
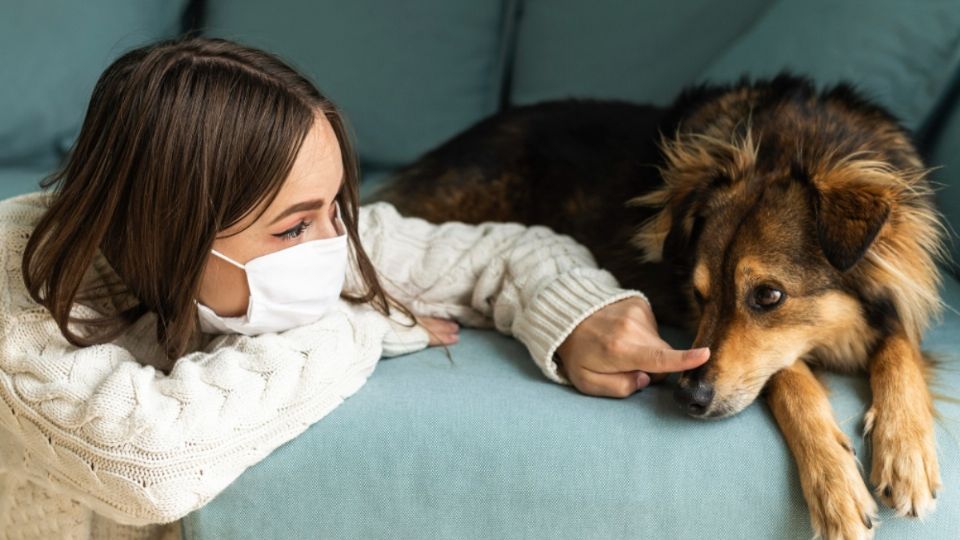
(51, 55)
(19, 180)
(902, 53)
(373, 180)
(642, 51)
(486, 447)
(408, 74)
(946, 154)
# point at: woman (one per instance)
(197, 291)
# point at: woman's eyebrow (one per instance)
(312, 204)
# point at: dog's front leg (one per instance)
(840, 504)
(899, 423)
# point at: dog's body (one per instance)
(789, 227)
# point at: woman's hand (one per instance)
(614, 351)
(441, 331)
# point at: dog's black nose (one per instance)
(694, 395)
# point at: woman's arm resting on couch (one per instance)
(532, 283)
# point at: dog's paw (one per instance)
(905, 471)
(841, 506)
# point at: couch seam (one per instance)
(509, 28)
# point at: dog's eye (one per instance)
(698, 296)
(766, 297)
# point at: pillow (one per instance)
(945, 155)
(902, 54)
(51, 55)
(408, 75)
(638, 51)
(17, 181)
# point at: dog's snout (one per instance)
(694, 395)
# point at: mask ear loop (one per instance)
(228, 259)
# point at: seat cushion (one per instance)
(486, 447)
(408, 74)
(51, 55)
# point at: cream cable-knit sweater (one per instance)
(97, 443)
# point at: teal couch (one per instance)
(486, 446)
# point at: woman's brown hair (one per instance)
(182, 138)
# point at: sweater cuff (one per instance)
(400, 340)
(560, 307)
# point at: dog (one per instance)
(790, 228)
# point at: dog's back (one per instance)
(558, 164)
(569, 165)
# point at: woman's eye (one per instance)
(294, 232)
(766, 297)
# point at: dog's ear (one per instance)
(676, 242)
(848, 220)
(684, 232)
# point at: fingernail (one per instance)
(643, 379)
(694, 354)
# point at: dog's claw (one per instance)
(867, 522)
(933, 494)
(913, 512)
(887, 492)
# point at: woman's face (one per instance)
(302, 211)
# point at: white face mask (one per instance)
(288, 288)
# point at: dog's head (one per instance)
(801, 226)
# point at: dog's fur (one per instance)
(711, 207)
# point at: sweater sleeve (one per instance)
(141, 447)
(528, 282)
(103, 426)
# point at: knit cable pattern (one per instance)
(101, 426)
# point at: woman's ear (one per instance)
(848, 219)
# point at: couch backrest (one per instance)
(945, 153)
(903, 54)
(407, 74)
(51, 54)
(638, 51)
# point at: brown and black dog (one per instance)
(791, 228)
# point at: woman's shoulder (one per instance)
(24, 210)
(376, 218)
(18, 218)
